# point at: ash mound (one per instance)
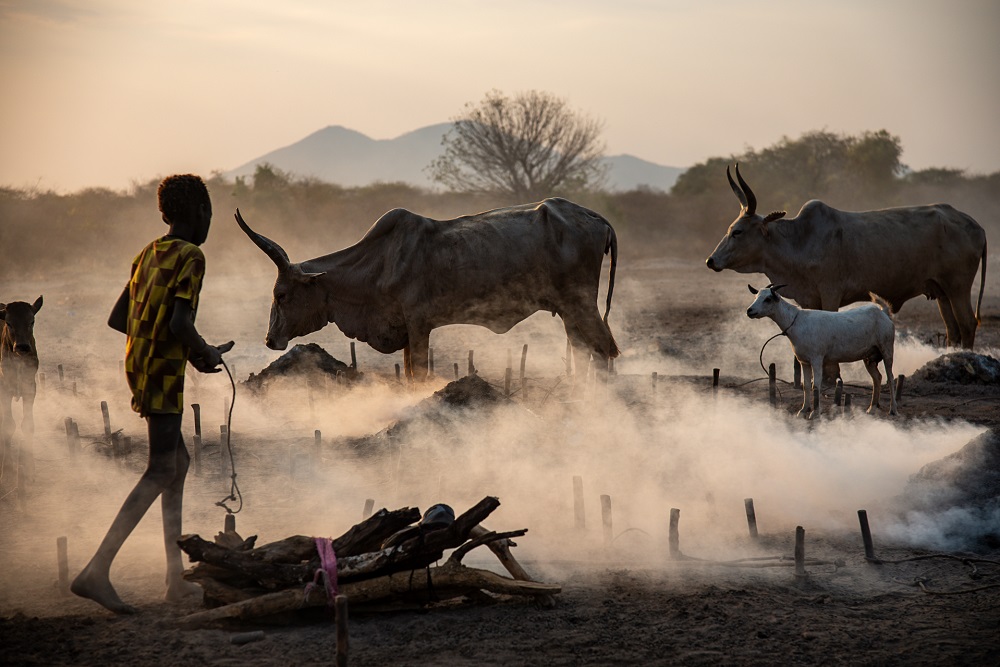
(309, 364)
(961, 493)
(440, 419)
(960, 368)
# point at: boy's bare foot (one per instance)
(180, 589)
(98, 588)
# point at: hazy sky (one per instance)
(107, 92)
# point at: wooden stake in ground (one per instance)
(354, 357)
(772, 388)
(369, 506)
(430, 361)
(107, 421)
(524, 385)
(838, 392)
(800, 552)
(340, 611)
(472, 366)
(579, 519)
(751, 517)
(674, 540)
(606, 519)
(715, 381)
(866, 536)
(899, 386)
(196, 409)
(63, 560)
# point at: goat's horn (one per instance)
(778, 287)
(751, 288)
(751, 199)
(270, 248)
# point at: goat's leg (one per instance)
(871, 365)
(807, 381)
(887, 362)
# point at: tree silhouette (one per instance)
(528, 146)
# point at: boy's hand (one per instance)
(209, 360)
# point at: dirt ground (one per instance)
(623, 602)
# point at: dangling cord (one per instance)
(234, 489)
(780, 333)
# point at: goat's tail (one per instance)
(882, 304)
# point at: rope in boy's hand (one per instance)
(234, 489)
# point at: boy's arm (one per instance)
(204, 357)
(118, 319)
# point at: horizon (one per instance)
(113, 94)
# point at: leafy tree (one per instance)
(527, 146)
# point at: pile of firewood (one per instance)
(242, 581)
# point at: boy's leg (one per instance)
(94, 581)
(172, 502)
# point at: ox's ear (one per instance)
(313, 277)
(3, 311)
(774, 215)
(752, 289)
(37, 305)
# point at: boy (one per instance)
(156, 311)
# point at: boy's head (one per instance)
(184, 201)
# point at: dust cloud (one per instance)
(677, 447)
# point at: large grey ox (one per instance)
(18, 366)
(829, 258)
(410, 274)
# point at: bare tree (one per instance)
(530, 146)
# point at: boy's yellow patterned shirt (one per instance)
(166, 270)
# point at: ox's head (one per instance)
(766, 303)
(742, 248)
(18, 323)
(296, 309)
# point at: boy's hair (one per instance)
(180, 196)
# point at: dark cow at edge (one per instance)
(18, 366)
(410, 274)
(829, 258)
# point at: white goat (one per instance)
(865, 333)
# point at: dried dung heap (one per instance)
(309, 364)
(960, 368)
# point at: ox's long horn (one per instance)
(751, 199)
(736, 190)
(270, 248)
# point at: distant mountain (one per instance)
(339, 155)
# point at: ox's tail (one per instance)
(882, 304)
(611, 246)
(982, 284)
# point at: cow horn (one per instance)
(775, 288)
(752, 289)
(751, 200)
(270, 248)
(739, 193)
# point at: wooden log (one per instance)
(751, 517)
(866, 536)
(449, 580)
(501, 549)
(579, 518)
(241, 638)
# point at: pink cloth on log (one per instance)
(327, 569)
